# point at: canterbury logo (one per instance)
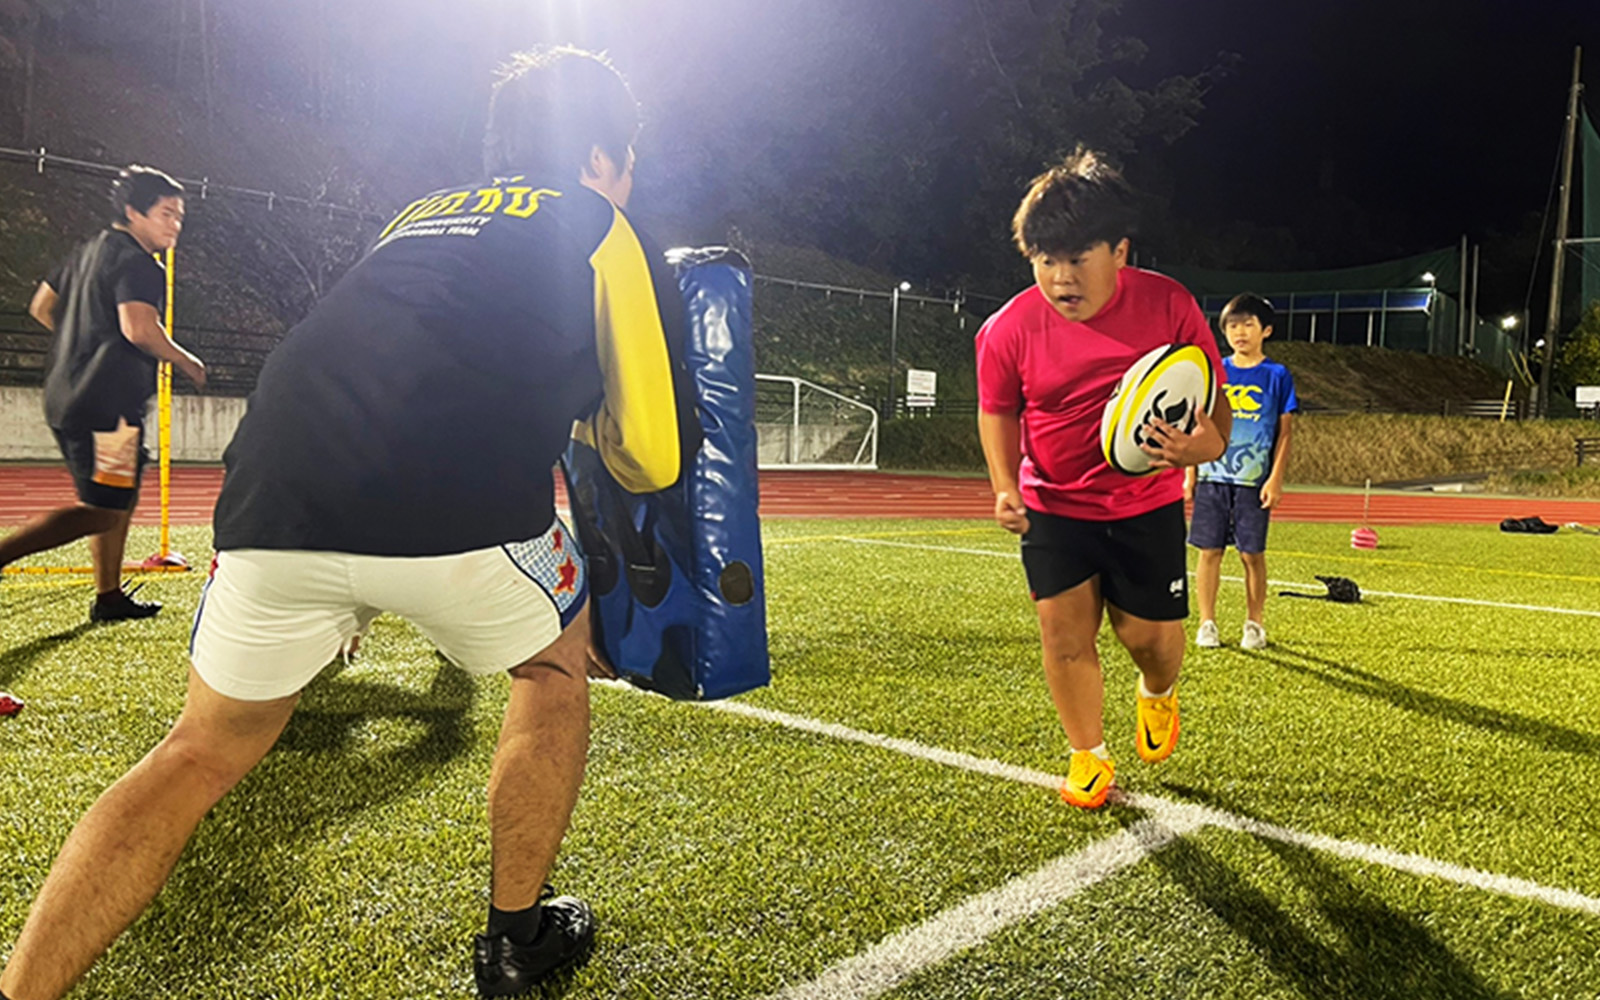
(1243, 397)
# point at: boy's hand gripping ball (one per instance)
(1172, 383)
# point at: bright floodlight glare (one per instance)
(1508, 323)
(905, 286)
(1539, 343)
(1428, 277)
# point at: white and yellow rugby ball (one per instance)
(1171, 383)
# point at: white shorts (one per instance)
(270, 620)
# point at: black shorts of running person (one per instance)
(106, 466)
(1140, 560)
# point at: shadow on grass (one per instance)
(1381, 953)
(1370, 685)
(243, 870)
(15, 662)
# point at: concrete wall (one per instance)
(772, 442)
(201, 427)
(23, 432)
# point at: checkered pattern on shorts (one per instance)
(555, 562)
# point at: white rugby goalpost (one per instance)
(801, 425)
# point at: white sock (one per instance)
(1145, 692)
(1098, 750)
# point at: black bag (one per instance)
(1528, 526)
(1341, 590)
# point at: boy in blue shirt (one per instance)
(1234, 496)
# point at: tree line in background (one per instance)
(897, 134)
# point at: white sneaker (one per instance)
(1206, 637)
(1255, 636)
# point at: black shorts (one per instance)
(106, 466)
(1229, 514)
(1141, 560)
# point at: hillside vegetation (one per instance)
(1342, 449)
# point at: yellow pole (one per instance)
(1505, 405)
(164, 415)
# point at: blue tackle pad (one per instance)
(675, 577)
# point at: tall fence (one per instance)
(1424, 320)
(862, 342)
(233, 357)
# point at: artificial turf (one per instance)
(729, 856)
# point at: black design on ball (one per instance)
(1180, 415)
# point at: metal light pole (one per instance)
(1433, 304)
(894, 335)
(1563, 216)
(1468, 347)
(1507, 324)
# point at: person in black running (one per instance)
(104, 303)
(397, 456)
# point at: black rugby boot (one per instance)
(504, 968)
(119, 605)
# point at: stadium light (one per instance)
(1429, 277)
(905, 286)
(1539, 343)
(1508, 323)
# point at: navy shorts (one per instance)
(1228, 514)
(106, 466)
(1140, 560)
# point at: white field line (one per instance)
(1413, 864)
(911, 748)
(1180, 815)
(1581, 612)
(896, 958)
(891, 961)
(1464, 600)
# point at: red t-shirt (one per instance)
(1058, 374)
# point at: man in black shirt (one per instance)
(396, 456)
(104, 303)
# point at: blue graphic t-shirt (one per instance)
(1258, 396)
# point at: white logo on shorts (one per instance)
(1176, 587)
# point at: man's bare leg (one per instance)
(55, 529)
(538, 766)
(125, 846)
(1068, 624)
(107, 548)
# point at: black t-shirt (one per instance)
(93, 374)
(419, 409)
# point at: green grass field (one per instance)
(1395, 800)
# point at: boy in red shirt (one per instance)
(1095, 542)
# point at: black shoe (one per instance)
(119, 605)
(504, 968)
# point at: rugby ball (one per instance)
(1171, 383)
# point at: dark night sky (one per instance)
(1440, 117)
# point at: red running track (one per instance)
(29, 489)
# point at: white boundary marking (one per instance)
(891, 961)
(1239, 579)
(896, 958)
